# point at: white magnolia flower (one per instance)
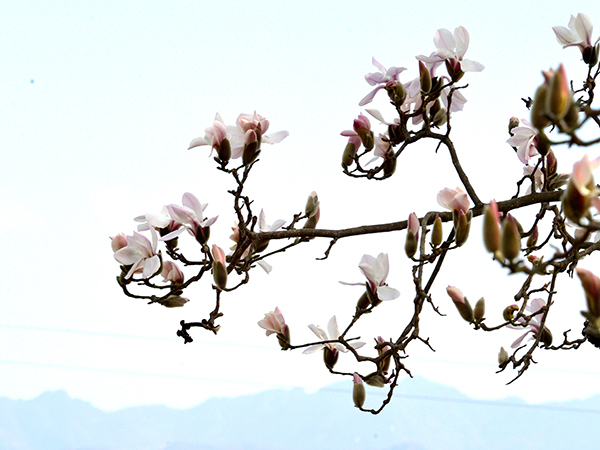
(451, 48)
(140, 254)
(578, 34)
(376, 270)
(334, 334)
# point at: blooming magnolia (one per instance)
(274, 323)
(524, 138)
(381, 79)
(237, 134)
(451, 49)
(534, 324)
(376, 270)
(172, 273)
(190, 216)
(578, 34)
(140, 255)
(162, 222)
(334, 334)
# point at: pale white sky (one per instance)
(99, 103)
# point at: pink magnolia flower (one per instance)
(578, 34)
(237, 134)
(534, 324)
(214, 135)
(140, 254)
(334, 334)
(273, 322)
(376, 271)
(451, 48)
(381, 79)
(190, 216)
(455, 294)
(161, 222)
(172, 273)
(454, 200)
(525, 139)
(413, 224)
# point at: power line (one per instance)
(261, 347)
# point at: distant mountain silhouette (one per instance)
(423, 416)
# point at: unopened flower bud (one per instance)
(591, 287)
(219, 267)
(385, 362)
(173, 301)
(502, 357)
(551, 164)
(224, 150)
(251, 147)
(509, 312)
(440, 118)
(358, 391)
(479, 310)
(538, 109)
(546, 337)
(437, 235)
(350, 151)
(572, 117)
(533, 237)
(396, 92)
(543, 143)
(424, 78)
(376, 380)
(491, 227)
(410, 245)
(512, 123)
(463, 226)
(559, 96)
(461, 303)
(389, 166)
(171, 272)
(312, 204)
(510, 244)
(330, 357)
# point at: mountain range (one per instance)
(422, 416)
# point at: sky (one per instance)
(100, 101)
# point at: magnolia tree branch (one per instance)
(564, 205)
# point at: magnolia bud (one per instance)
(575, 205)
(389, 167)
(173, 301)
(591, 287)
(551, 163)
(512, 123)
(491, 227)
(251, 147)
(543, 144)
(396, 92)
(502, 357)
(349, 152)
(559, 97)
(440, 118)
(509, 312)
(533, 237)
(312, 204)
(463, 227)
(385, 362)
(538, 110)
(224, 150)
(572, 116)
(546, 337)
(424, 78)
(410, 246)
(479, 310)
(358, 391)
(330, 356)
(375, 379)
(461, 303)
(437, 234)
(218, 267)
(510, 244)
